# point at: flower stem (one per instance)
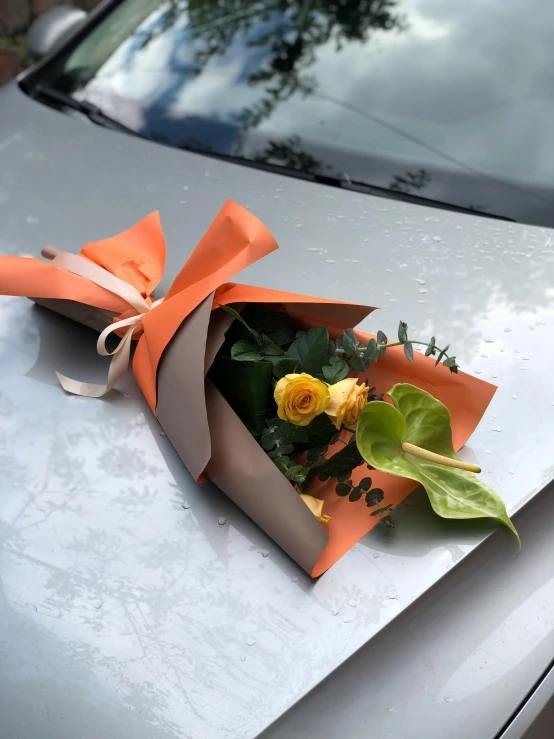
(438, 458)
(401, 343)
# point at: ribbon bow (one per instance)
(121, 355)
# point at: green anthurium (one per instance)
(421, 423)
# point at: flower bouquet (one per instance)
(272, 395)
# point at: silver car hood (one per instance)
(127, 609)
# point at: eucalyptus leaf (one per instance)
(342, 462)
(349, 341)
(402, 332)
(286, 431)
(360, 360)
(409, 351)
(431, 347)
(372, 351)
(382, 339)
(374, 497)
(336, 370)
(419, 418)
(293, 471)
(319, 431)
(310, 350)
(441, 355)
(285, 448)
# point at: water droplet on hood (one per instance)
(221, 521)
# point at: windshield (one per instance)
(451, 101)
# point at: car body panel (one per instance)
(127, 608)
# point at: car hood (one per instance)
(137, 604)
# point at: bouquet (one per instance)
(272, 396)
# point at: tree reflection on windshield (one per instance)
(290, 34)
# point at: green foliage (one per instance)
(342, 462)
(335, 371)
(246, 350)
(284, 366)
(310, 350)
(419, 418)
(259, 349)
(247, 387)
(402, 332)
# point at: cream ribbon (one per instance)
(121, 355)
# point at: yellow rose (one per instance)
(347, 400)
(316, 507)
(300, 398)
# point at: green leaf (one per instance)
(419, 418)
(269, 349)
(246, 350)
(313, 455)
(372, 351)
(281, 336)
(330, 349)
(342, 462)
(246, 386)
(409, 351)
(320, 431)
(284, 448)
(402, 332)
(431, 348)
(310, 350)
(365, 484)
(451, 364)
(336, 370)
(293, 471)
(349, 341)
(382, 339)
(237, 316)
(268, 439)
(284, 366)
(286, 431)
(374, 497)
(441, 355)
(355, 495)
(342, 489)
(359, 361)
(265, 320)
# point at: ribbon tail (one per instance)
(117, 370)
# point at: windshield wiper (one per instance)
(385, 192)
(89, 110)
(346, 183)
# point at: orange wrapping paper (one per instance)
(235, 240)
